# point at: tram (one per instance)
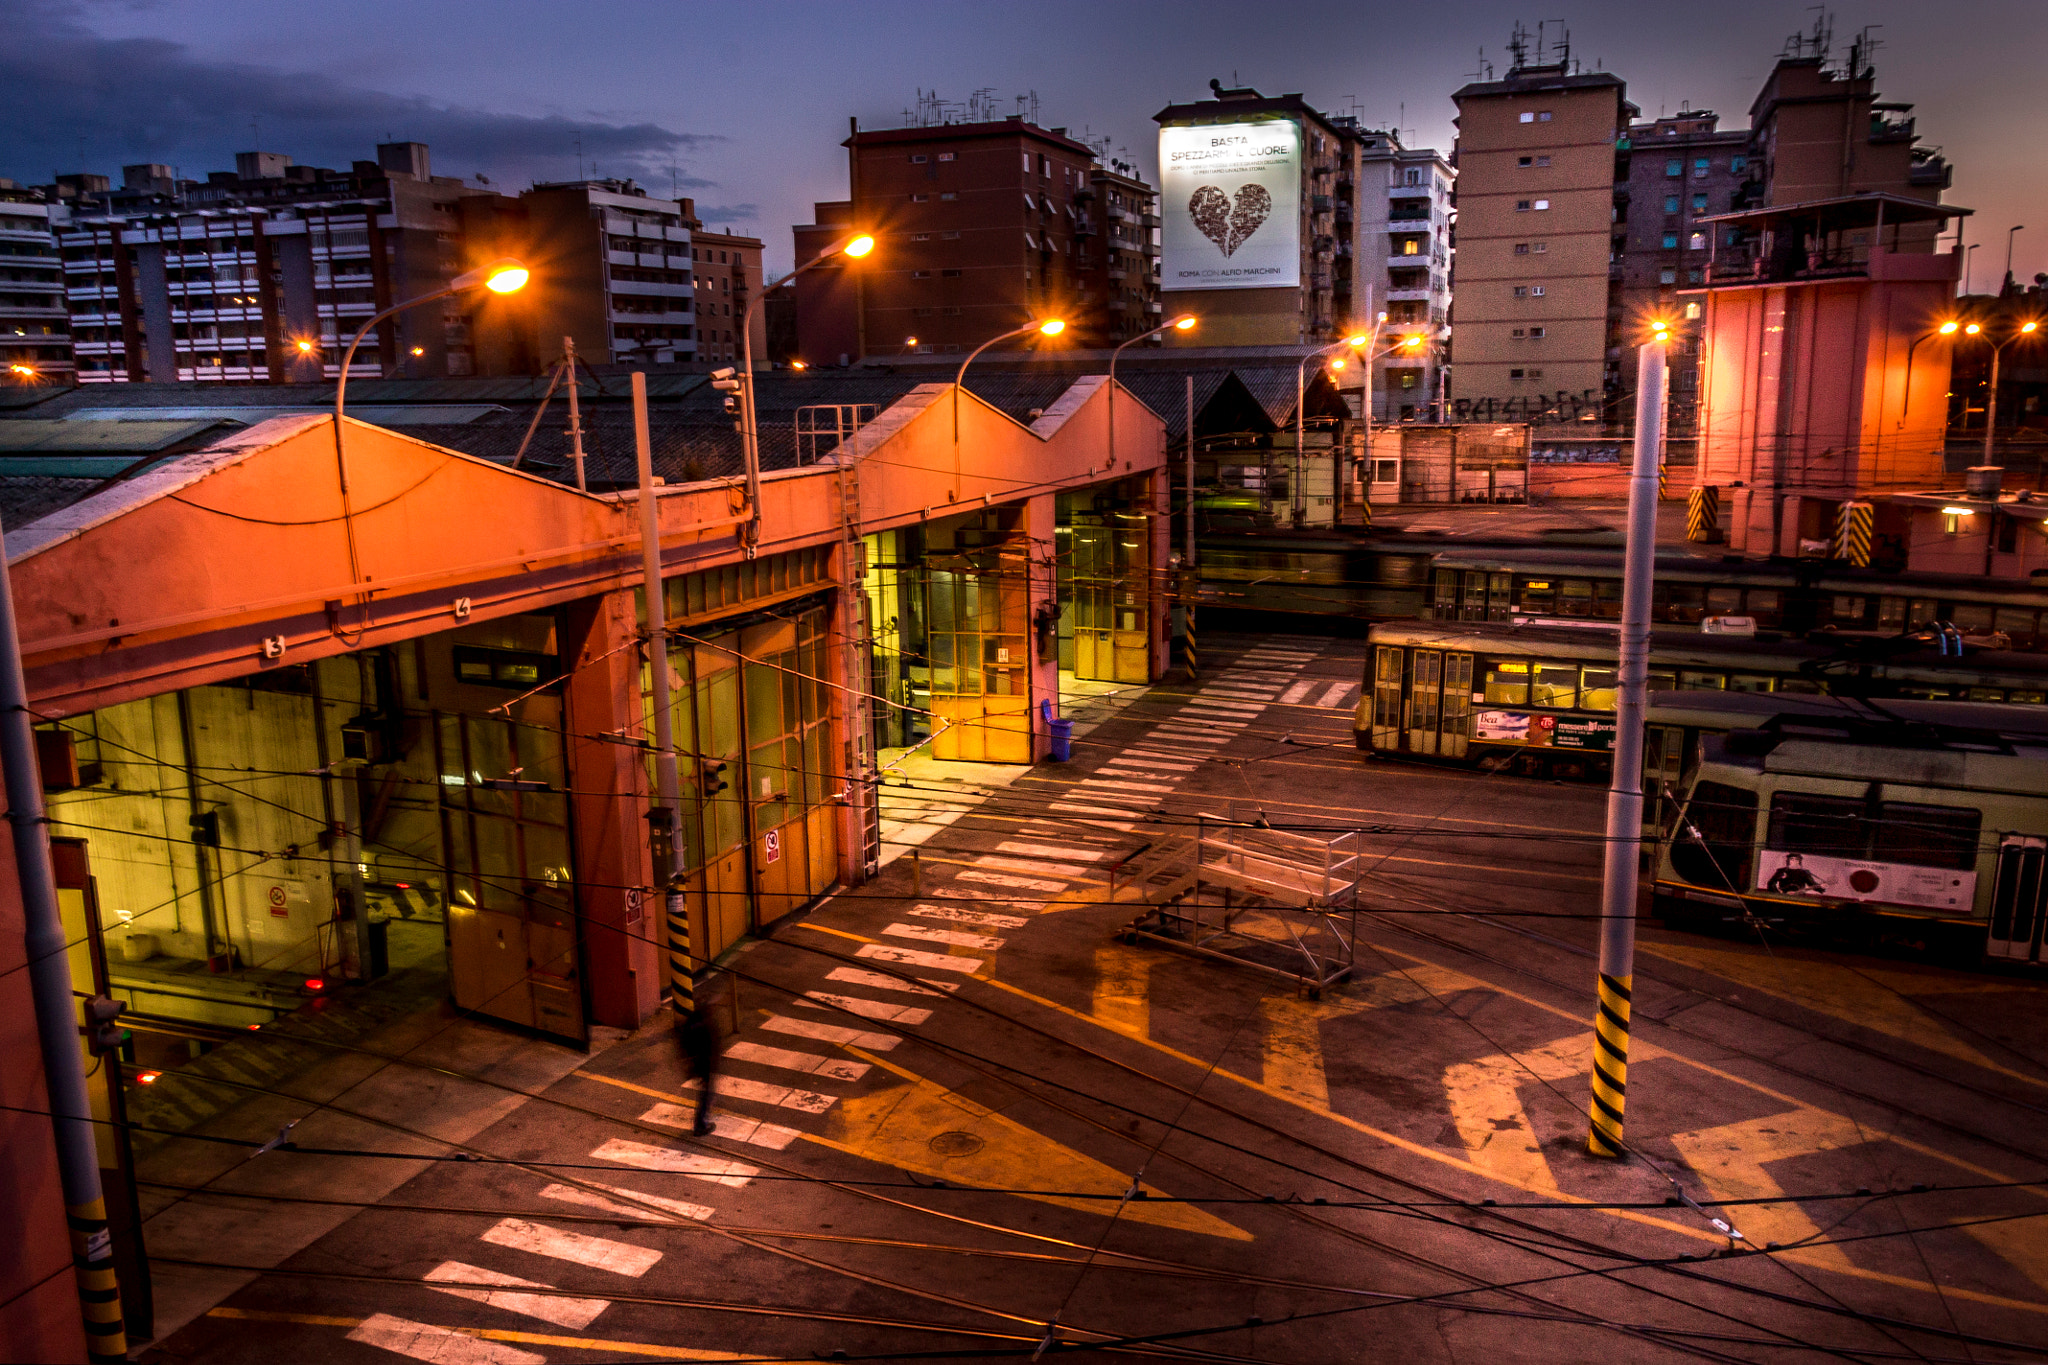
(1541, 698)
(1913, 821)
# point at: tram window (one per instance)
(1830, 826)
(1846, 610)
(1804, 686)
(1985, 694)
(1724, 818)
(1445, 595)
(2018, 622)
(1920, 612)
(1699, 682)
(1891, 613)
(1764, 604)
(2027, 696)
(1507, 684)
(1971, 615)
(1596, 689)
(1748, 682)
(1556, 685)
(1607, 599)
(1663, 682)
(1574, 597)
(1926, 836)
(1724, 601)
(1685, 602)
(1537, 596)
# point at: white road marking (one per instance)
(1192, 736)
(1149, 763)
(742, 1088)
(957, 938)
(1249, 708)
(907, 1015)
(732, 1127)
(572, 1194)
(854, 976)
(1029, 866)
(559, 1309)
(910, 957)
(1122, 786)
(1049, 850)
(1296, 693)
(951, 915)
(646, 1157)
(441, 1345)
(831, 1033)
(810, 1063)
(1335, 694)
(599, 1253)
(1084, 812)
(1214, 720)
(1241, 691)
(1016, 883)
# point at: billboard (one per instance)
(1230, 206)
(1858, 879)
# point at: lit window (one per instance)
(920, 199)
(1542, 161)
(1699, 203)
(1699, 168)
(947, 195)
(1536, 291)
(1540, 205)
(1692, 310)
(1696, 242)
(1527, 116)
(947, 156)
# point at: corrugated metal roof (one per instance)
(26, 498)
(1273, 388)
(74, 436)
(1166, 394)
(377, 414)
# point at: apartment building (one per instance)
(1681, 169)
(263, 273)
(1402, 252)
(35, 330)
(1119, 278)
(1537, 314)
(828, 327)
(727, 277)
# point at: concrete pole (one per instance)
(668, 788)
(1625, 789)
(1298, 503)
(1991, 405)
(575, 416)
(1188, 552)
(49, 968)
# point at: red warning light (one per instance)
(147, 1077)
(314, 983)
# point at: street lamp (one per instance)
(1050, 327)
(1408, 345)
(1298, 500)
(853, 248)
(1183, 323)
(2010, 233)
(1947, 329)
(2025, 331)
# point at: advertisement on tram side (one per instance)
(1857, 879)
(1536, 730)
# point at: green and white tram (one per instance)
(1926, 817)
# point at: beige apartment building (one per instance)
(1535, 308)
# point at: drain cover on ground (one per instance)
(956, 1143)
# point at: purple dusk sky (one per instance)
(742, 106)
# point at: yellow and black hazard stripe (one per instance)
(682, 962)
(99, 1291)
(1610, 1067)
(1703, 514)
(1852, 534)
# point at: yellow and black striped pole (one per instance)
(682, 961)
(1610, 1067)
(1194, 664)
(99, 1292)
(1852, 534)
(1703, 515)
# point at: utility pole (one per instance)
(661, 820)
(1187, 560)
(1625, 788)
(49, 969)
(575, 415)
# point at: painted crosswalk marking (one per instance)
(1249, 708)
(830, 1033)
(1296, 692)
(958, 938)
(1335, 694)
(854, 976)
(745, 1088)
(576, 1194)
(1029, 866)
(731, 1127)
(1098, 782)
(1192, 736)
(559, 1309)
(910, 957)
(974, 874)
(907, 1015)
(646, 1157)
(441, 1345)
(810, 1063)
(1123, 761)
(1049, 850)
(599, 1253)
(955, 915)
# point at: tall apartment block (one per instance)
(35, 331)
(263, 273)
(1537, 314)
(727, 270)
(1680, 169)
(1403, 266)
(982, 227)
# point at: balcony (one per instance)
(1319, 203)
(1408, 261)
(1825, 239)
(1409, 295)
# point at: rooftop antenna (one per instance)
(579, 156)
(1518, 47)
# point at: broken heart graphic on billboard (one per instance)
(1229, 223)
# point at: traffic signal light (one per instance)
(728, 382)
(711, 779)
(102, 1033)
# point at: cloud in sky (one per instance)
(728, 213)
(79, 100)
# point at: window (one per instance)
(947, 156)
(1539, 247)
(1535, 374)
(920, 274)
(1411, 246)
(1542, 161)
(949, 236)
(1540, 205)
(949, 274)
(1526, 116)
(1696, 242)
(1667, 276)
(1543, 116)
(920, 236)
(1555, 685)
(1699, 203)
(920, 199)
(1507, 684)
(1535, 332)
(1525, 161)
(948, 195)
(1045, 166)
(1694, 275)
(1738, 163)
(1521, 248)
(1671, 203)
(1724, 820)
(1844, 827)
(1027, 163)
(1700, 166)
(1520, 333)
(1674, 168)
(1514, 374)
(1521, 206)
(1521, 291)
(1536, 291)
(1692, 310)
(918, 158)
(1597, 687)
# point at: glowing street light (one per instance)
(1184, 323)
(1356, 341)
(1050, 327)
(2023, 332)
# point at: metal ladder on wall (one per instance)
(861, 776)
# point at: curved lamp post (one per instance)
(2024, 332)
(1184, 323)
(1355, 341)
(1947, 329)
(854, 248)
(1051, 327)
